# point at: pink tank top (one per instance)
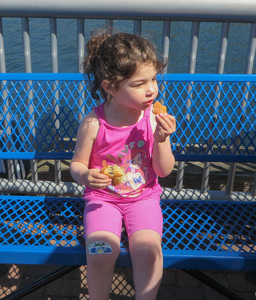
(130, 147)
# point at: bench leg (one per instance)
(40, 282)
(217, 286)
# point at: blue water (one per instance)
(208, 46)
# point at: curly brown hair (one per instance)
(115, 57)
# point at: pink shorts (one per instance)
(137, 215)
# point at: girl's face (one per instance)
(137, 161)
(140, 90)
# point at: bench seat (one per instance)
(215, 235)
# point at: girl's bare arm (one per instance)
(163, 160)
(79, 168)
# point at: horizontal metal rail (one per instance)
(196, 10)
(50, 188)
(160, 77)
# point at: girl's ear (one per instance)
(106, 85)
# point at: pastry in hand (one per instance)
(114, 172)
(158, 108)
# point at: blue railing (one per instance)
(215, 114)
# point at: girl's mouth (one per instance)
(148, 103)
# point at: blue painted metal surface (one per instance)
(215, 115)
(213, 235)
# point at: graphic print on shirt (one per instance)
(134, 161)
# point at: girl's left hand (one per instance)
(166, 125)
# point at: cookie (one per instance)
(158, 108)
(114, 172)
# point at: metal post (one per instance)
(2, 52)
(220, 69)
(253, 192)
(6, 122)
(166, 43)
(137, 27)
(165, 53)
(109, 23)
(248, 70)
(28, 69)
(80, 57)
(191, 69)
(55, 115)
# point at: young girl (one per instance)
(122, 68)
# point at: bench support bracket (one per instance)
(40, 282)
(217, 286)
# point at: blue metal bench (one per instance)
(203, 230)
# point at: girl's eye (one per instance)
(138, 84)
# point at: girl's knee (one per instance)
(102, 251)
(147, 250)
(149, 253)
(101, 261)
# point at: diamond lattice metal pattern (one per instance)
(188, 225)
(215, 115)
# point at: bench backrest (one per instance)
(216, 122)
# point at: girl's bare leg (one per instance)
(100, 267)
(147, 261)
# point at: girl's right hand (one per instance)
(95, 180)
